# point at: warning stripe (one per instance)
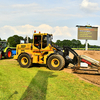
(86, 61)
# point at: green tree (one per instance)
(74, 43)
(66, 43)
(14, 40)
(2, 40)
(78, 44)
(59, 43)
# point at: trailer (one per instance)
(87, 65)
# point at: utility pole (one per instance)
(86, 45)
(27, 39)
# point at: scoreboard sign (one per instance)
(87, 32)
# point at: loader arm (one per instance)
(65, 53)
(67, 49)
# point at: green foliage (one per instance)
(73, 44)
(14, 40)
(2, 40)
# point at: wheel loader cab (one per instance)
(3, 45)
(37, 41)
(41, 41)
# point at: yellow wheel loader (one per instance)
(42, 51)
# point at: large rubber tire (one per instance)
(24, 60)
(8, 54)
(56, 62)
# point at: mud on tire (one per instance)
(56, 62)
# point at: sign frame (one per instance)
(87, 32)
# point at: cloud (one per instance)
(89, 6)
(59, 33)
(29, 8)
(62, 32)
(24, 5)
(35, 9)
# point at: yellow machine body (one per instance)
(37, 54)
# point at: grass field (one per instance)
(95, 49)
(40, 83)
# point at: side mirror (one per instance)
(51, 37)
(22, 41)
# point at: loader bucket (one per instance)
(74, 60)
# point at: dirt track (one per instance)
(92, 78)
(92, 54)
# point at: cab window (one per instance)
(44, 44)
(37, 41)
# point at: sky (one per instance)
(57, 17)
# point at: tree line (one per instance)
(15, 39)
(74, 44)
